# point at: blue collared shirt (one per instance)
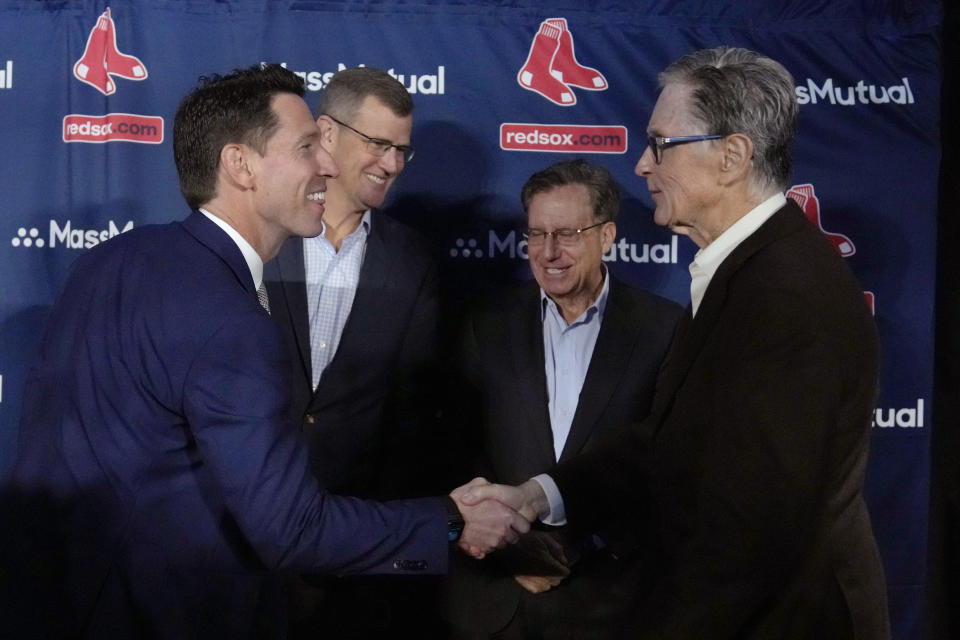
(332, 278)
(567, 351)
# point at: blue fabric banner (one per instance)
(88, 91)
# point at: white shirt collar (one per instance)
(600, 303)
(708, 260)
(254, 262)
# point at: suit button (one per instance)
(310, 419)
(410, 565)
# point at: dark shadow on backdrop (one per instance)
(945, 491)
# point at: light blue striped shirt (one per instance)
(567, 351)
(332, 278)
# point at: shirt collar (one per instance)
(254, 261)
(710, 257)
(599, 305)
(363, 227)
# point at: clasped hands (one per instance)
(495, 515)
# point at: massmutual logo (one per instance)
(432, 83)
(66, 235)
(6, 74)
(805, 196)
(552, 69)
(511, 245)
(860, 93)
(904, 417)
(100, 66)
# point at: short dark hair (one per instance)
(348, 88)
(603, 189)
(736, 90)
(235, 108)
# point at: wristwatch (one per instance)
(454, 520)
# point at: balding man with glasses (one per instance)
(358, 307)
(551, 366)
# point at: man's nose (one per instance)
(645, 163)
(391, 161)
(326, 165)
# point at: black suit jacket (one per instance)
(367, 422)
(504, 364)
(753, 458)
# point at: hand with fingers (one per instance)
(488, 523)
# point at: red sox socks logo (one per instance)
(805, 196)
(552, 69)
(101, 60)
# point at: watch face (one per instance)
(454, 529)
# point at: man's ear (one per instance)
(608, 234)
(235, 163)
(328, 132)
(737, 156)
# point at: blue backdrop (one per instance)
(88, 91)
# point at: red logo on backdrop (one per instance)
(101, 61)
(805, 196)
(565, 138)
(552, 69)
(126, 127)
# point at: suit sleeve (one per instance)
(256, 471)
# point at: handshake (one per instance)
(495, 515)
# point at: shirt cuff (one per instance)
(557, 516)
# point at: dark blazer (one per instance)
(504, 363)
(158, 485)
(371, 413)
(753, 458)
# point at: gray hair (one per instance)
(740, 91)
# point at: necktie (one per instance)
(263, 298)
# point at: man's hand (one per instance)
(538, 584)
(488, 524)
(528, 499)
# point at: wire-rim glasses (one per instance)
(566, 237)
(378, 146)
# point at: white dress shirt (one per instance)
(254, 261)
(332, 279)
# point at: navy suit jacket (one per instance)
(754, 455)
(158, 481)
(369, 422)
(504, 363)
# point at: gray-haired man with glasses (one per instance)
(550, 367)
(358, 306)
(752, 462)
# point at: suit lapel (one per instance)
(609, 362)
(690, 342)
(286, 282)
(370, 285)
(526, 338)
(216, 239)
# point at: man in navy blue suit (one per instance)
(158, 487)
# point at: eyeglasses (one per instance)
(658, 143)
(566, 237)
(378, 146)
